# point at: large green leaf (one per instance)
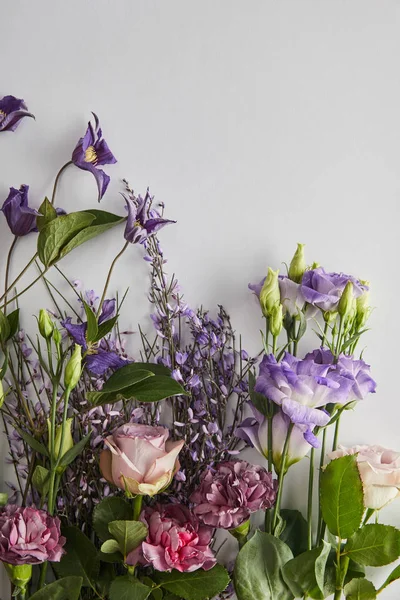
(41, 479)
(108, 510)
(81, 557)
(127, 588)
(394, 575)
(360, 589)
(295, 532)
(374, 545)
(103, 221)
(108, 397)
(341, 492)
(13, 322)
(125, 377)
(258, 569)
(148, 389)
(129, 534)
(73, 452)
(58, 233)
(91, 323)
(68, 588)
(305, 574)
(47, 213)
(197, 585)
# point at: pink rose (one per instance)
(379, 470)
(176, 540)
(29, 536)
(140, 459)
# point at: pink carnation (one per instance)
(176, 540)
(230, 493)
(29, 536)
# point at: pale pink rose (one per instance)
(379, 470)
(139, 459)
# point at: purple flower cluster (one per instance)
(12, 111)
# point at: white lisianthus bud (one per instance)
(270, 294)
(73, 369)
(46, 325)
(298, 265)
(68, 441)
(346, 301)
(276, 320)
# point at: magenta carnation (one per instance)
(229, 494)
(29, 536)
(176, 540)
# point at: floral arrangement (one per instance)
(126, 466)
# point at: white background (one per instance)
(258, 123)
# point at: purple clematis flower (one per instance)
(324, 290)
(92, 151)
(301, 388)
(20, 217)
(12, 111)
(143, 220)
(97, 360)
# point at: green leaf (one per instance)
(374, 545)
(81, 557)
(102, 222)
(342, 503)
(148, 389)
(257, 574)
(153, 367)
(58, 233)
(105, 578)
(305, 574)
(40, 479)
(33, 442)
(394, 575)
(71, 454)
(108, 510)
(197, 585)
(110, 546)
(92, 329)
(127, 588)
(126, 377)
(48, 213)
(104, 328)
(107, 397)
(360, 589)
(13, 322)
(68, 588)
(4, 327)
(295, 532)
(4, 367)
(129, 534)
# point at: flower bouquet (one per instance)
(127, 466)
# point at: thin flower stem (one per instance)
(321, 525)
(281, 477)
(32, 260)
(310, 498)
(336, 434)
(25, 289)
(109, 277)
(8, 265)
(57, 179)
(137, 507)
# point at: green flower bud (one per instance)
(19, 575)
(363, 308)
(276, 320)
(73, 369)
(315, 265)
(57, 336)
(270, 295)
(241, 532)
(329, 317)
(3, 498)
(46, 325)
(298, 265)
(68, 441)
(345, 305)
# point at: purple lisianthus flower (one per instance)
(228, 494)
(143, 220)
(92, 151)
(254, 431)
(12, 111)
(324, 290)
(20, 217)
(301, 388)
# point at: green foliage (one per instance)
(71, 454)
(104, 328)
(33, 442)
(374, 545)
(360, 589)
(40, 479)
(48, 213)
(81, 557)
(394, 575)
(342, 502)
(68, 588)
(197, 585)
(128, 534)
(258, 569)
(58, 233)
(128, 588)
(92, 328)
(305, 574)
(148, 388)
(4, 328)
(295, 533)
(13, 323)
(108, 510)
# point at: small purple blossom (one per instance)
(143, 220)
(228, 494)
(324, 290)
(12, 111)
(90, 152)
(20, 217)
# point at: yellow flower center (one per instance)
(90, 155)
(2, 114)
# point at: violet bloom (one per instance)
(228, 495)
(97, 360)
(176, 540)
(301, 388)
(292, 298)
(20, 217)
(143, 220)
(324, 290)
(12, 111)
(92, 151)
(29, 536)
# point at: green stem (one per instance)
(42, 577)
(338, 590)
(53, 196)
(137, 507)
(281, 477)
(310, 498)
(25, 289)
(109, 277)
(9, 288)
(8, 265)
(63, 425)
(336, 435)
(326, 329)
(321, 525)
